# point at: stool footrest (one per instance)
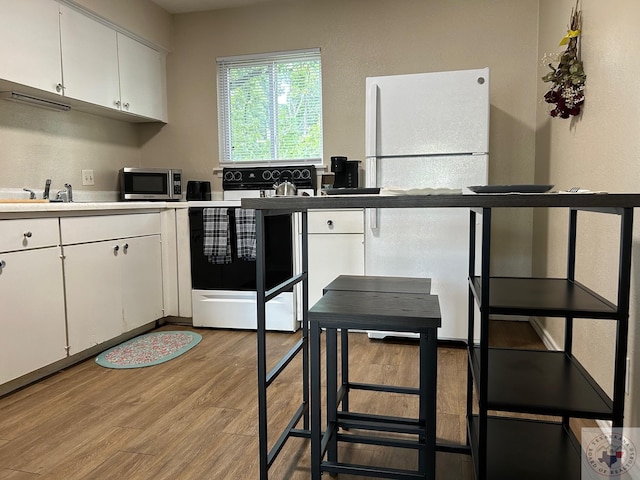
(369, 471)
(380, 423)
(382, 388)
(378, 440)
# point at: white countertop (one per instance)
(34, 208)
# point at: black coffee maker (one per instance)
(346, 172)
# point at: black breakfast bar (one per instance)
(491, 439)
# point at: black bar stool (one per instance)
(382, 311)
(370, 283)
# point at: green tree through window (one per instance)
(270, 107)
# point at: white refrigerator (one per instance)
(427, 130)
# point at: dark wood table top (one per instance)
(507, 200)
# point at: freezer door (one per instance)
(428, 113)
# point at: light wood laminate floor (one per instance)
(195, 417)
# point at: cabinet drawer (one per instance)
(24, 234)
(336, 221)
(107, 227)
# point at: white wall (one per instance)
(599, 151)
(360, 38)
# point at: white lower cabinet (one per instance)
(32, 319)
(107, 269)
(336, 246)
(94, 294)
(115, 285)
(142, 281)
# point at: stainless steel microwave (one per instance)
(150, 184)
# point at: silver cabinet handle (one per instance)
(126, 105)
(59, 88)
(329, 223)
(2, 264)
(27, 234)
(125, 247)
(116, 248)
(117, 103)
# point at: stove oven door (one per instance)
(224, 296)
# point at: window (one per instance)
(270, 107)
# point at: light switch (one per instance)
(87, 177)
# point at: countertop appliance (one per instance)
(426, 130)
(345, 171)
(163, 184)
(224, 295)
(198, 190)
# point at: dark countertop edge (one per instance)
(576, 200)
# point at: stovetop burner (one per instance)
(263, 178)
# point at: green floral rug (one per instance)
(150, 349)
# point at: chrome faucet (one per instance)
(65, 195)
(47, 186)
(69, 192)
(32, 194)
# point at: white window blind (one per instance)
(270, 107)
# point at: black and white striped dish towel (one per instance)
(246, 233)
(217, 241)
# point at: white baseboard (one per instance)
(548, 341)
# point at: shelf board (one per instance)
(541, 382)
(551, 297)
(527, 450)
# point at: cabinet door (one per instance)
(141, 79)
(141, 263)
(89, 59)
(331, 255)
(32, 320)
(94, 293)
(30, 43)
(336, 246)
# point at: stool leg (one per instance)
(344, 358)
(427, 415)
(316, 409)
(332, 390)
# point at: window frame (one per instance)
(224, 135)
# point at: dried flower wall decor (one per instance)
(568, 78)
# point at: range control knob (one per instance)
(228, 175)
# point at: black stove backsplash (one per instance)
(263, 178)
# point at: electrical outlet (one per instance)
(87, 177)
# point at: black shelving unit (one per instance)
(539, 382)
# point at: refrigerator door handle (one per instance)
(371, 122)
(371, 147)
(371, 172)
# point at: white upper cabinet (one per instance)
(107, 68)
(56, 48)
(30, 44)
(141, 79)
(89, 59)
